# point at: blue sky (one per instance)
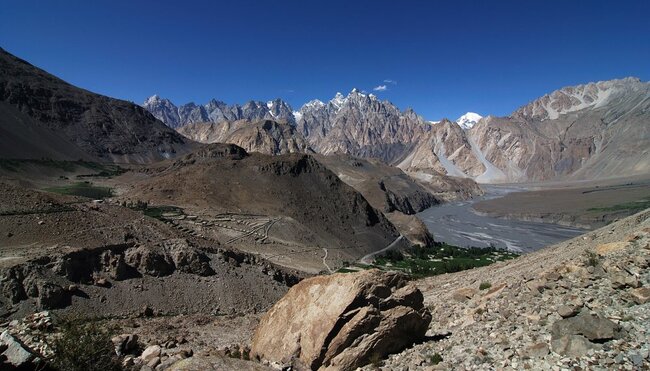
(444, 57)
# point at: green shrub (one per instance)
(484, 286)
(435, 358)
(84, 347)
(592, 259)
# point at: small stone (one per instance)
(621, 280)
(566, 311)
(40, 222)
(572, 345)
(641, 295)
(619, 358)
(636, 359)
(154, 362)
(536, 286)
(553, 276)
(538, 350)
(128, 361)
(125, 343)
(150, 353)
(14, 353)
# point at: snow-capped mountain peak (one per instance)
(468, 120)
(339, 100)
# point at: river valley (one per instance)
(458, 224)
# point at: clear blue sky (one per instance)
(447, 57)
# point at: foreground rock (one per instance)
(342, 321)
(14, 353)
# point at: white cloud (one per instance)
(380, 88)
(387, 81)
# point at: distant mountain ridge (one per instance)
(217, 111)
(594, 130)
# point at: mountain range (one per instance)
(595, 130)
(592, 131)
(217, 112)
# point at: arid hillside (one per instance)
(44, 116)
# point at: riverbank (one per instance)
(456, 223)
(581, 205)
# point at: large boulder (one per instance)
(342, 321)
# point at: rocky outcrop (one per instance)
(14, 355)
(52, 282)
(341, 321)
(576, 335)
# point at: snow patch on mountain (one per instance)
(468, 120)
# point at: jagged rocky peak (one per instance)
(575, 98)
(163, 109)
(217, 111)
(468, 120)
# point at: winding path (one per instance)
(324, 263)
(368, 258)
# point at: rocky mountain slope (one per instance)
(361, 125)
(581, 304)
(269, 137)
(70, 253)
(398, 195)
(593, 131)
(217, 112)
(43, 116)
(290, 208)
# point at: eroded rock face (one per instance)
(341, 321)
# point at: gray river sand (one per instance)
(457, 224)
